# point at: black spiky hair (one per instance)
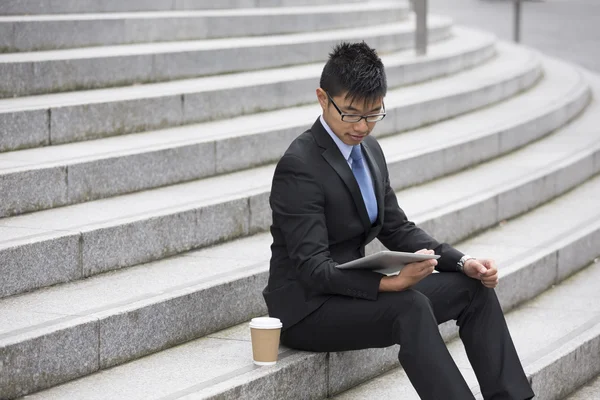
(354, 68)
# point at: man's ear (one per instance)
(322, 97)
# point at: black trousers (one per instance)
(410, 318)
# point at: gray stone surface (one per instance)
(526, 196)
(91, 121)
(15, 78)
(519, 71)
(41, 259)
(568, 367)
(239, 152)
(222, 221)
(30, 34)
(17, 7)
(184, 317)
(200, 368)
(303, 376)
(145, 226)
(70, 70)
(591, 390)
(583, 294)
(62, 75)
(260, 213)
(129, 243)
(574, 174)
(33, 190)
(24, 129)
(576, 255)
(462, 220)
(234, 152)
(124, 110)
(151, 169)
(597, 162)
(6, 37)
(163, 373)
(59, 355)
(58, 34)
(246, 99)
(527, 277)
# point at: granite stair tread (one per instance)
(77, 172)
(32, 7)
(118, 65)
(59, 31)
(173, 47)
(590, 391)
(228, 351)
(83, 115)
(462, 41)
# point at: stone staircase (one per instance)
(137, 145)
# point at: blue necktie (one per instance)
(362, 178)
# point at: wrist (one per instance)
(460, 266)
(391, 284)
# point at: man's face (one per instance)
(351, 133)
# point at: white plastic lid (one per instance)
(265, 323)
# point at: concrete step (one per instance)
(58, 175)
(557, 336)
(24, 7)
(75, 116)
(49, 32)
(30, 73)
(219, 365)
(145, 226)
(589, 391)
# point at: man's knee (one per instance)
(419, 303)
(474, 289)
(406, 304)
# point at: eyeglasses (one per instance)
(353, 118)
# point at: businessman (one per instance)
(330, 197)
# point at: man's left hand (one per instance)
(483, 269)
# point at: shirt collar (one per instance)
(346, 149)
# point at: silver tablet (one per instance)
(386, 262)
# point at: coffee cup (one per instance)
(265, 332)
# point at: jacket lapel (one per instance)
(334, 157)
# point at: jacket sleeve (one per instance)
(400, 234)
(298, 205)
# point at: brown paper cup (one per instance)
(265, 334)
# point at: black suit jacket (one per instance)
(320, 220)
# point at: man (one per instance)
(331, 195)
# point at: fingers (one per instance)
(490, 277)
(491, 266)
(424, 251)
(481, 269)
(490, 283)
(474, 269)
(428, 264)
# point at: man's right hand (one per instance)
(410, 275)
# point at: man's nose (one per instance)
(361, 126)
